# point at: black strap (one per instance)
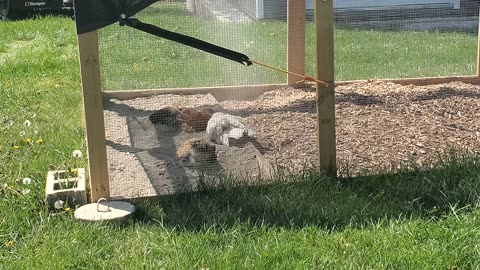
(187, 40)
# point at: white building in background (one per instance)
(384, 4)
(274, 9)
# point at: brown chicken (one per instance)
(188, 119)
(196, 152)
(166, 116)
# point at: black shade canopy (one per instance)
(91, 15)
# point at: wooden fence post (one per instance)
(93, 113)
(296, 16)
(325, 94)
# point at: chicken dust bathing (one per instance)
(166, 143)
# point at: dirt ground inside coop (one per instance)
(379, 126)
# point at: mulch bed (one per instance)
(379, 125)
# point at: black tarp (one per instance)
(91, 15)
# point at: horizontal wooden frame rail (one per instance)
(249, 92)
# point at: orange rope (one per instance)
(305, 78)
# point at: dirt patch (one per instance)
(142, 156)
(379, 126)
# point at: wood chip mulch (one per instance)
(379, 125)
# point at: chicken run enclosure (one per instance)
(396, 85)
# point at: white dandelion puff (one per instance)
(36, 131)
(25, 191)
(57, 85)
(58, 204)
(77, 154)
(22, 133)
(28, 123)
(27, 181)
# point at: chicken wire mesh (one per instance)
(169, 143)
(383, 126)
(152, 62)
(406, 39)
(163, 144)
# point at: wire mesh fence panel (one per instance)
(386, 126)
(383, 126)
(177, 142)
(405, 39)
(132, 59)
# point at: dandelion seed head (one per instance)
(28, 123)
(25, 191)
(57, 85)
(36, 131)
(77, 154)
(22, 133)
(58, 204)
(27, 181)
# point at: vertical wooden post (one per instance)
(296, 16)
(478, 46)
(325, 94)
(93, 113)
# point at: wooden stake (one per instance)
(93, 108)
(296, 16)
(325, 93)
(478, 47)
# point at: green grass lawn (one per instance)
(400, 220)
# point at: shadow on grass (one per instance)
(312, 199)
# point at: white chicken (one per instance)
(221, 127)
